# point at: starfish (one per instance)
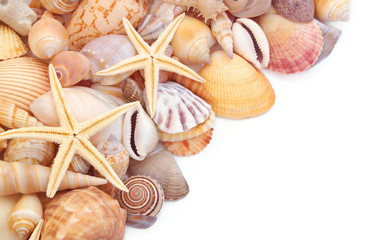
(73, 137)
(152, 60)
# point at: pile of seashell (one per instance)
(227, 42)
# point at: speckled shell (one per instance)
(247, 8)
(22, 80)
(221, 28)
(11, 44)
(7, 203)
(332, 10)
(295, 10)
(60, 6)
(93, 19)
(294, 47)
(106, 51)
(162, 167)
(4, 142)
(79, 165)
(87, 213)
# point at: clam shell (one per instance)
(332, 10)
(22, 80)
(7, 203)
(221, 28)
(11, 44)
(295, 10)
(294, 47)
(4, 142)
(60, 6)
(93, 19)
(79, 165)
(85, 213)
(247, 8)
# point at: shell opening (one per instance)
(133, 127)
(256, 45)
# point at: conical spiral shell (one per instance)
(247, 8)
(25, 215)
(60, 6)
(7, 203)
(22, 80)
(11, 44)
(221, 28)
(25, 178)
(332, 10)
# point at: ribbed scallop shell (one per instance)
(60, 6)
(247, 8)
(221, 28)
(87, 213)
(294, 47)
(22, 80)
(332, 10)
(145, 196)
(4, 142)
(106, 51)
(93, 19)
(11, 44)
(79, 165)
(295, 10)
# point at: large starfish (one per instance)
(152, 60)
(73, 137)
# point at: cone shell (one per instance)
(295, 10)
(87, 213)
(79, 165)
(294, 47)
(162, 167)
(93, 19)
(4, 142)
(247, 8)
(22, 80)
(7, 204)
(24, 178)
(25, 215)
(221, 28)
(60, 6)
(11, 44)
(332, 10)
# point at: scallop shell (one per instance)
(79, 165)
(71, 67)
(93, 19)
(162, 167)
(295, 10)
(332, 10)
(32, 151)
(87, 213)
(140, 221)
(294, 47)
(144, 197)
(4, 142)
(192, 41)
(132, 92)
(247, 8)
(221, 28)
(11, 44)
(7, 203)
(106, 51)
(60, 6)
(25, 215)
(22, 80)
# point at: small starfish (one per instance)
(73, 137)
(152, 60)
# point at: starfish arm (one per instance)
(89, 128)
(172, 65)
(151, 73)
(86, 150)
(141, 46)
(61, 162)
(37, 231)
(63, 110)
(49, 134)
(159, 46)
(130, 64)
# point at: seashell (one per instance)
(295, 10)
(79, 165)
(4, 142)
(221, 28)
(60, 6)
(25, 178)
(93, 19)
(139, 133)
(140, 221)
(144, 197)
(25, 215)
(330, 38)
(32, 151)
(12, 116)
(35, 4)
(47, 37)
(37, 231)
(247, 8)
(7, 203)
(239, 90)
(87, 213)
(162, 167)
(113, 92)
(22, 80)
(190, 146)
(17, 15)
(11, 44)
(105, 52)
(177, 109)
(71, 67)
(250, 42)
(294, 47)
(192, 41)
(332, 10)
(132, 92)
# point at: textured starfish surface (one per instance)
(152, 60)
(37, 231)
(73, 137)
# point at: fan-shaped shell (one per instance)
(93, 19)
(87, 213)
(247, 8)
(332, 10)
(294, 47)
(221, 28)
(11, 44)
(22, 80)
(60, 6)
(295, 10)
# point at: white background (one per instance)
(301, 171)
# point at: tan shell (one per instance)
(114, 92)
(37, 231)
(132, 92)
(22, 80)
(162, 167)
(87, 213)
(92, 19)
(295, 10)
(79, 165)
(247, 8)
(4, 142)
(221, 28)
(60, 6)
(11, 44)
(7, 203)
(332, 10)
